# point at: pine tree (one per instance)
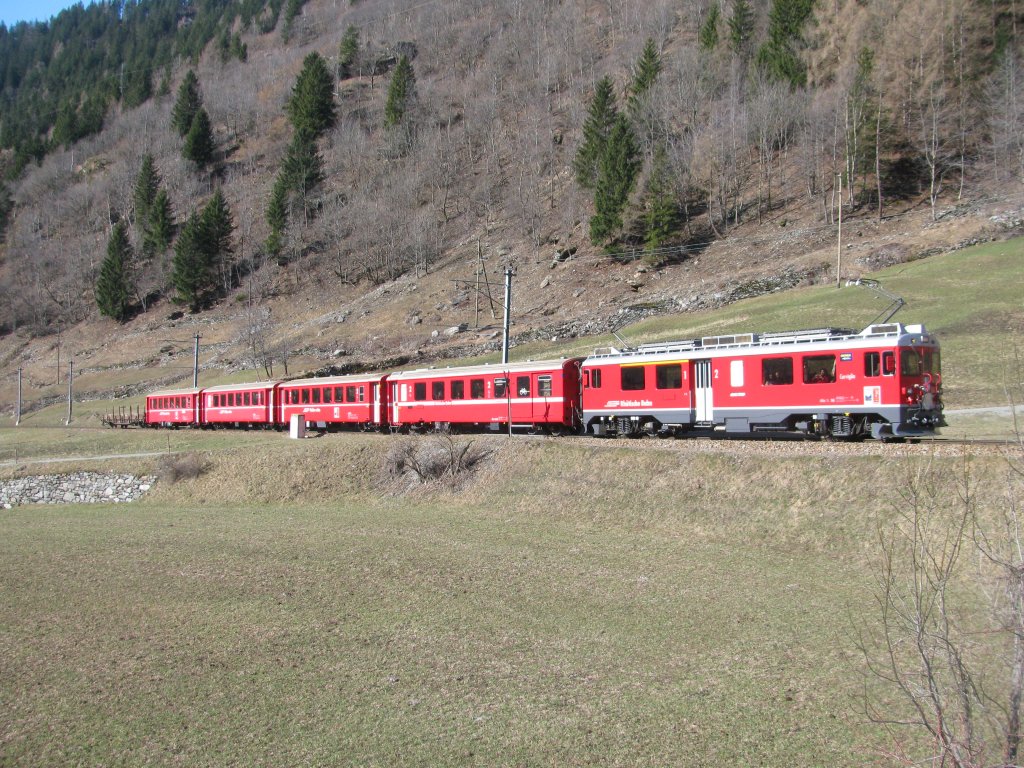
(600, 119)
(189, 274)
(303, 166)
(777, 58)
(660, 209)
(741, 27)
(348, 52)
(189, 102)
(277, 214)
(217, 226)
(159, 227)
(147, 184)
(620, 165)
(6, 207)
(311, 106)
(401, 93)
(708, 35)
(199, 141)
(113, 287)
(644, 74)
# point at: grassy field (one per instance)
(570, 605)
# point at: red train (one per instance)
(882, 382)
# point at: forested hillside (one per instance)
(204, 155)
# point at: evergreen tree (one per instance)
(644, 74)
(660, 209)
(303, 166)
(199, 141)
(401, 93)
(277, 214)
(65, 129)
(239, 49)
(741, 27)
(188, 104)
(190, 273)
(348, 53)
(311, 106)
(708, 35)
(113, 287)
(6, 208)
(217, 226)
(147, 184)
(777, 58)
(159, 227)
(620, 165)
(596, 129)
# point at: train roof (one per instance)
(485, 369)
(895, 333)
(175, 392)
(351, 378)
(242, 386)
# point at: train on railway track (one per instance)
(883, 382)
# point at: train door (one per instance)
(375, 416)
(542, 403)
(702, 393)
(522, 399)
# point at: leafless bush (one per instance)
(189, 466)
(438, 459)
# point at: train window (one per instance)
(595, 378)
(872, 364)
(458, 390)
(910, 362)
(305, 396)
(476, 388)
(293, 396)
(668, 376)
(328, 394)
(523, 386)
(777, 370)
(419, 390)
(257, 398)
(247, 398)
(544, 386)
(361, 391)
(316, 395)
(338, 395)
(888, 364)
(500, 387)
(633, 377)
(350, 395)
(437, 390)
(930, 362)
(819, 369)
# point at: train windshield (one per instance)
(916, 362)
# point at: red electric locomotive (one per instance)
(541, 395)
(331, 402)
(174, 408)
(240, 405)
(882, 382)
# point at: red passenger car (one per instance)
(882, 382)
(240, 405)
(174, 408)
(331, 402)
(541, 395)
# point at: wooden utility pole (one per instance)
(71, 379)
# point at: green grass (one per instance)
(551, 612)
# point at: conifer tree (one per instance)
(277, 214)
(660, 205)
(620, 165)
(311, 106)
(189, 269)
(303, 167)
(777, 58)
(159, 227)
(644, 74)
(708, 35)
(596, 129)
(113, 286)
(348, 53)
(189, 102)
(199, 141)
(217, 226)
(401, 93)
(741, 27)
(6, 207)
(147, 184)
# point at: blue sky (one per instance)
(13, 11)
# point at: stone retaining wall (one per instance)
(74, 488)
